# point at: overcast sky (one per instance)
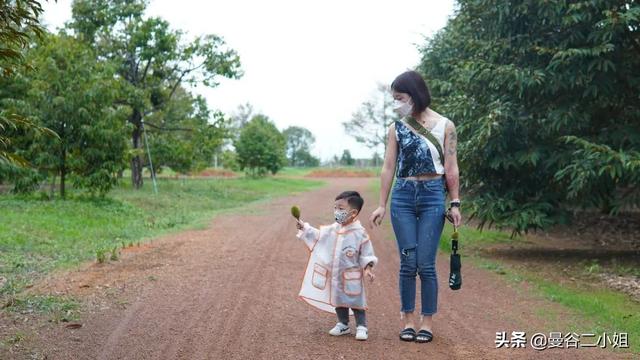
(305, 63)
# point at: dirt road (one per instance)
(229, 292)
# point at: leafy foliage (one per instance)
(346, 159)
(260, 147)
(151, 57)
(181, 135)
(299, 141)
(229, 160)
(73, 95)
(545, 98)
(18, 25)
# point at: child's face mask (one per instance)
(341, 216)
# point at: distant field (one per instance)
(326, 171)
(348, 171)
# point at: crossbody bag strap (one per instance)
(426, 133)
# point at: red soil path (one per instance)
(229, 292)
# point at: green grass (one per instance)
(471, 238)
(602, 310)
(598, 311)
(60, 307)
(14, 339)
(37, 236)
(595, 266)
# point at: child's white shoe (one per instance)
(340, 329)
(362, 333)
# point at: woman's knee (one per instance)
(408, 263)
(427, 270)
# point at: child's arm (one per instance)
(307, 233)
(367, 256)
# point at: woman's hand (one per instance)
(456, 216)
(376, 216)
(299, 224)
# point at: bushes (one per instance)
(545, 98)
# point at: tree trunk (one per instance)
(136, 161)
(63, 172)
(52, 190)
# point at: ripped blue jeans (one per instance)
(417, 216)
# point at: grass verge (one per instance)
(37, 236)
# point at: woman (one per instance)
(418, 196)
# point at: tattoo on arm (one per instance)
(453, 141)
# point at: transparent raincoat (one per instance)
(337, 258)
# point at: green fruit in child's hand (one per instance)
(454, 235)
(295, 211)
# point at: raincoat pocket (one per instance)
(319, 279)
(352, 281)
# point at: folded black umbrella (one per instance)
(455, 276)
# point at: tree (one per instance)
(370, 123)
(73, 94)
(346, 159)
(234, 125)
(182, 136)
(260, 147)
(18, 25)
(241, 117)
(305, 159)
(299, 141)
(334, 161)
(546, 110)
(151, 57)
(229, 160)
(376, 160)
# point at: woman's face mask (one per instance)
(403, 108)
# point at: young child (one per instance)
(340, 254)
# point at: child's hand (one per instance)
(368, 271)
(299, 224)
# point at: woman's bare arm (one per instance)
(388, 167)
(451, 169)
(386, 177)
(451, 160)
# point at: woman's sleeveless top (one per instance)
(416, 154)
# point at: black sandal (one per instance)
(424, 336)
(408, 334)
